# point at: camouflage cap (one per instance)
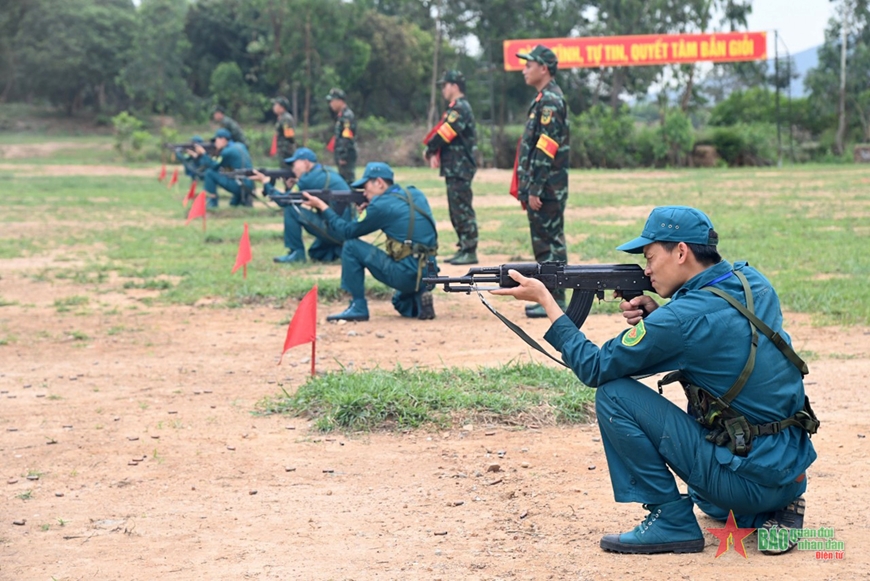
(542, 54)
(452, 76)
(217, 109)
(336, 93)
(282, 101)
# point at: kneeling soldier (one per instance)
(312, 176)
(405, 218)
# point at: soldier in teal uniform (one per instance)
(285, 129)
(343, 134)
(230, 124)
(230, 155)
(312, 176)
(452, 148)
(404, 216)
(543, 164)
(192, 163)
(744, 445)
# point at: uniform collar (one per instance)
(704, 278)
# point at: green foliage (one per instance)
(746, 144)
(72, 50)
(676, 138)
(603, 138)
(227, 85)
(411, 398)
(154, 75)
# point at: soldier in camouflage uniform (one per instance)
(230, 125)
(343, 144)
(285, 130)
(543, 164)
(451, 146)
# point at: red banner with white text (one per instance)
(647, 49)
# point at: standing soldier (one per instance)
(343, 142)
(230, 125)
(543, 164)
(451, 146)
(285, 130)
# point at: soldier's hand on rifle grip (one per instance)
(637, 308)
(258, 177)
(199, 149)
(313, 202)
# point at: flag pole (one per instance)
(313, 351)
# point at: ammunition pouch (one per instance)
(729, 429)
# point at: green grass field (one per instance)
(804, 227)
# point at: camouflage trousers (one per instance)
(459, 197)
(347, 171)
(548, 234)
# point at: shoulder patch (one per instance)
(634, 335)
(546, 115)
(452, 116)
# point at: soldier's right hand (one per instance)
(637, 308)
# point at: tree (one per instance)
(83, 45)
(824, 81)
(154, 77)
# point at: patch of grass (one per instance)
(26, 495)
(411, 398)
(6, 303)
(73, 301)
(78, 336)
(44, 527)
(8, 340)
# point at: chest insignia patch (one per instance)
(634, 335)
(452, 116)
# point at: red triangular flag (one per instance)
(515, 178)
(197, 209)
(330, 147)
(191, 193)
(244, 255)
(162, 175)
(174, 179)
(273, 151)
(303, 325)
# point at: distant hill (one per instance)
(803, 61)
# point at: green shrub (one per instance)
(746, 144)
(603, 138)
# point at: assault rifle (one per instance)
(328, 196)
(209, 146)
(272, 174)
(587, 281)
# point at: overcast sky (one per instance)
(801, 23)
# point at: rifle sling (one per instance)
(516, 329)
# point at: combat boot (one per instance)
(427, 308)
(668, 528)
(788, 518)
(357, 311)
(290, 257)
(464, 257)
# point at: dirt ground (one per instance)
(129, 451)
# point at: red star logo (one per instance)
(731, 535)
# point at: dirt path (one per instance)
(151, 466)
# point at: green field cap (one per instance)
(452, 76)
(673, 224)
(542, 54)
